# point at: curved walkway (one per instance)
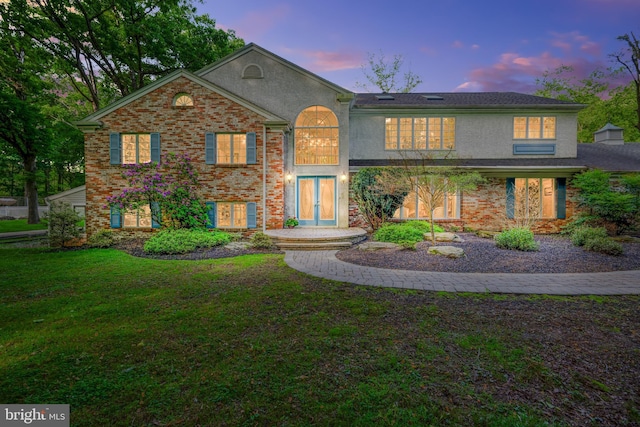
(325, 264)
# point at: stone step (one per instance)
(316, 238)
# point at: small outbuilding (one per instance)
(75, 197)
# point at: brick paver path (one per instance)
(325, 264)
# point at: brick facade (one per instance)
(485, 209)
(182, 129)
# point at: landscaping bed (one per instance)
(556, 255)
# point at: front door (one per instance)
(317, 200)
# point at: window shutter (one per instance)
(114, 149)
(561, 197)
(156, 215)
(211, 213)
(116, 218)
(251, 215)
(511, 197)
(155, 147)
(210, 148)
(251, 149)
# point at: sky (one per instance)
(452, 45)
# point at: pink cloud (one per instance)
(574, 40)
(457, 44)
(320, 61)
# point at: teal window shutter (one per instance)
(156, 215)
(116, 218)
(251, 149)
(114, 149)
(211, 214)
(155, 147)
(511, 197)
(251, 215)
(210, 148)
(561, 197)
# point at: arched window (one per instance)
(183, 100)
(316, 137)
(252, 71)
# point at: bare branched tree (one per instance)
(384, 75)
(629, 58)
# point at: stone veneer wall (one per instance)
(182, 129)
(484, 209)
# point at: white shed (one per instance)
(76, 197)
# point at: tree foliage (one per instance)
(377, 202)
(170, 188)
(629, 59)
(385, 75)
(114, 47)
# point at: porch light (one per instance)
(289, 178)
(343, 177)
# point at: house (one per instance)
(272, 140)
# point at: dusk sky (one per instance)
(453, 45)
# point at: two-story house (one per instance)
(272, 140)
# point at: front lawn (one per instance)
(10, 225)
(248, 341)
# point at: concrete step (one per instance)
(311, 246)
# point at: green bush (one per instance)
(102, 239)
(581, 235)
(410, 231)
(409, 245)
(63, 224)
(604, 245)
(180, 241)
(261, 241)
(520, 239)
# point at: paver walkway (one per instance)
(325, 264)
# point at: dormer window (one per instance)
(183, 100)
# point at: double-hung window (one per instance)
(231, 214)
(230, 148)
(534, 127)
(134, 148)
(420, 133)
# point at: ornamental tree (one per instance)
(376, 202)
(170, 188)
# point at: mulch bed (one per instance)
(556, 255)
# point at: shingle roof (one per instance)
(613, 158)
(458, 100)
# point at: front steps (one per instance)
(309, 239)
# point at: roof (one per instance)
(611, 158)
(57, 196)
(440, 100)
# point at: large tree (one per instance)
(114, 47)
(629, 59)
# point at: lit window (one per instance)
(183, 100)
(136, 148)
(231, 148)
(534, 198)
(414, 208)
(316, 137)
(534, 127)
(231, 215)
(138, 219)
(407, 133)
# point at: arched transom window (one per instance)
(316, 137)
(183, 100)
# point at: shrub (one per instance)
(102, 239)
(581, 235)
(604, 245)
(410, 231)
(520, 239)
(407, 245)
(180, 241)
(376, 203)
(63, 223)
(261, 241)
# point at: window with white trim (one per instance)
(420, 133)
(317, 137)
(231, 148)
(231, 215)
(138, 219)
(534, 127)
(136, 148)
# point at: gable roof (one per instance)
(252, 47)
(459, 100)
(92, 121)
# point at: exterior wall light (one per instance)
(343, 177)
(289, 178)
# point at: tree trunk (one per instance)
(31, 190)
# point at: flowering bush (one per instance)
(171, 185)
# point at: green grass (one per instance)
(7, 226)
(248, 341)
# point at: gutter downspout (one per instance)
(264, 178)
